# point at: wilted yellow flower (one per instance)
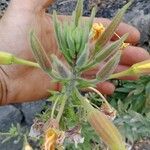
(97, 30)
(50, 139)
(136, 69)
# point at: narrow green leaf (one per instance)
(60, 67)
(106, 36)
(109, 67)
(39, 53)
(94, 10)
(85, 38)
(109, 50)
(78, 11)
(105, 53)
(71, 42)
(78, 32)
(61, 35)
(83, 57)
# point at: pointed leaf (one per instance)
(92, 17)
(110, 49)
(61, 35)
(39, 53)
(106, 36)
(78, 11)
(59, 66)
(83, 57)
(109, 67)
(105, 53)
(78, 32)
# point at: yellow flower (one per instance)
(97, 30)
(50, 139)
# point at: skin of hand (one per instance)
(22, 83)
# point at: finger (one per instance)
(134, 34)
(106, 88)
(121, 68)
(46, 3)
(132, 55)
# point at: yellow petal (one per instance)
(97, 30)
(50, 139)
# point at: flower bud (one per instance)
(104, 127)
(140, 68)
(6, 58)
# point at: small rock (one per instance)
(9, 115)
(30, 110)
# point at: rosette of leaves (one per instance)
(74, 39)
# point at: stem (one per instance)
(61, 108)
(104, 99)
(66, 96)
(25, 62)
(54, 107)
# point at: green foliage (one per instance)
(133, 125)
(132, 95)
(131, 100)
(14, 132)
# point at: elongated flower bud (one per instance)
(6, 58)
(136, 69)
(104, 128)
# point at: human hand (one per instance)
(21, 83)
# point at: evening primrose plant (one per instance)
(74, 38)
(84, 45)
